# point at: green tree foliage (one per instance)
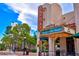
(7, 41)
(35, 35)
(2, 47)
(8, 29)
(18, 33)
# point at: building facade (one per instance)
(55, 30)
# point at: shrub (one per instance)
(33, 50)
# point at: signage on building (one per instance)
(52, 30)
(43, 38)
(40, 17)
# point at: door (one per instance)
(70, 46)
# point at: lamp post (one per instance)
(11, 36)
(24, 48)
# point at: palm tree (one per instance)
(6, 40)
(18, 33)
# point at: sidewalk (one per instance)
(17, 53)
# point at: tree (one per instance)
(16, 34)
(2, 46)
(8, 29)
(6, 40)
(35, 35)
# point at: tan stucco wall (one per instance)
(69, 18)
(52, 14)
(46, 15)
(76, 10)
(56, 13)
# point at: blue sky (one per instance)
(66, 7)
(23, 13)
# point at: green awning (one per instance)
(76, 35)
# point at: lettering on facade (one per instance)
(41, 10)
(52, 30)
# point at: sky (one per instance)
(23, 13)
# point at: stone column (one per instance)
(63, 46)
(51, 47)
(77, 46)
(38, 38)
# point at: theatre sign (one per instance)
(58, 29)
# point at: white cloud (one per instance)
(25, 9)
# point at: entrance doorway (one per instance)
(70, 46)
(44, 46)
(57, 47)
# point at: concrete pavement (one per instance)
(17, 53)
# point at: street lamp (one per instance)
(24, 43)
(11, 36)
